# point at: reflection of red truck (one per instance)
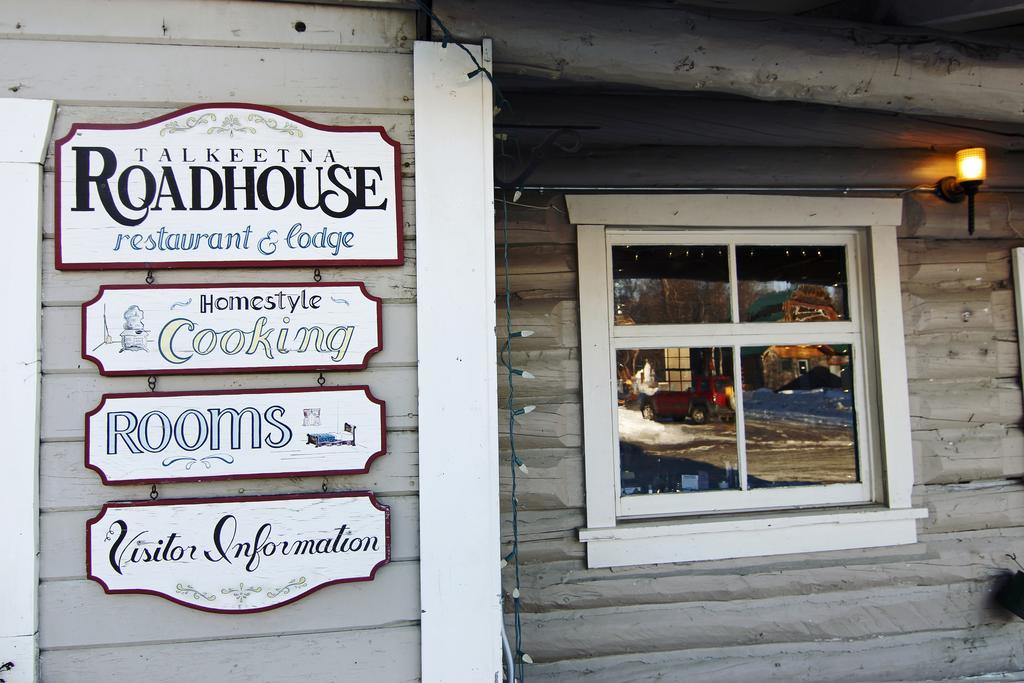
(710, 397)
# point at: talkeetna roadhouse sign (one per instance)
(227, 185)
(183, 329)
(177, 436)
(238, 555)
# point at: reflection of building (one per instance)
(805, 303)
(678, 376)
(782, 365)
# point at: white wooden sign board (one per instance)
(238, 555)
(180, 436)
(184, 329)
(226, 185)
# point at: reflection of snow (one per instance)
(634, 428)
(816, 406)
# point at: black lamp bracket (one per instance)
(950, 190)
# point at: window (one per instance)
(733, 350)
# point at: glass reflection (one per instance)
(798, 415)
(791, 283)
(671, 284)
(676, 417)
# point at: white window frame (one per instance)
(639, 532)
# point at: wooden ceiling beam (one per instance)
(956, 15)
(581, 43)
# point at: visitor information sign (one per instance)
(226, 185)
(241, 554)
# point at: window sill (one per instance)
(647, 542)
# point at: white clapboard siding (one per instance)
(78, 612)
(932, 656)
(72, 287)
(125, 61)
(89, 72)
(65, 483)
(389, 654)
(67, 397)
(63, 323)
(218, 22)
(408, 206)
(62, 554)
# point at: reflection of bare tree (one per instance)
(649, 301)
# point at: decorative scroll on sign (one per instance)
(183, 329)
(227, 185)
(238, 555)
(180, 436)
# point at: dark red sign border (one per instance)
(238, 499)
(219, 371)
(234, 392)
(146, 265)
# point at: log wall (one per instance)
(126, 61)
(919, 612)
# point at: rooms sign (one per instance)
(238, 555)
(184, 329)
(180, 436)
(227, 185)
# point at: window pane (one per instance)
(798, 415)
(674, 284)
(791, 283)
(679, 434)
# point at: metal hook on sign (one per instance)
(151, 382)
(1013, 556)
(323, 485)
(149, 277)
(153, 493)
(321, 380)
(316, 275)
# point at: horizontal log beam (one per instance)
(767, 167)
(783, 58)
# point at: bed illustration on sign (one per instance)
(182, 436)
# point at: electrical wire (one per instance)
(514, 462)
(446, 37)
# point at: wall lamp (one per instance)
(970, 174)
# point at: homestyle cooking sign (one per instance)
(238, 555)
(183, 329)
(227, 185)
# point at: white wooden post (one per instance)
(458, 453)
(1018, 292)
(26, 125)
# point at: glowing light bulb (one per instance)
(970, 165)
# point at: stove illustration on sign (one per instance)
(135, 334)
